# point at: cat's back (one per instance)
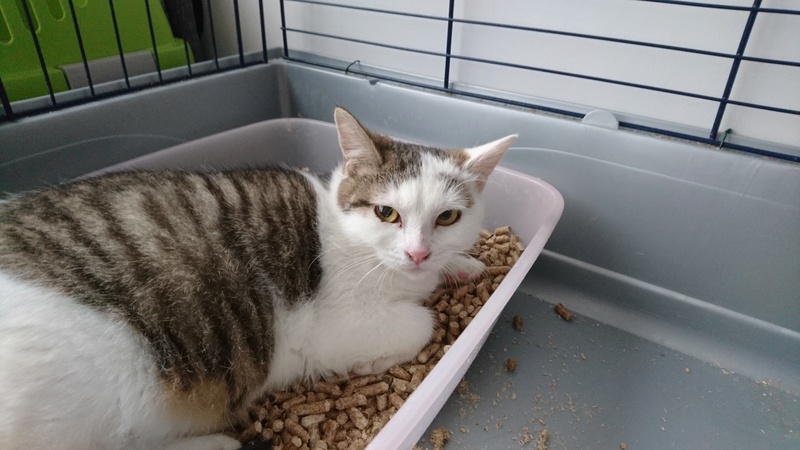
(129, 229)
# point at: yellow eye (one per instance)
(387, 213)
(448, 217)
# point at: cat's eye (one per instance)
(387, 213)
(448, 217)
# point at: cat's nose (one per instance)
(418, 256)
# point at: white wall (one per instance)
(774, 36)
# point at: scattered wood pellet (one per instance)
(294, 443)
(364, 380)
(248, 434)
(502, 231)
(525, 437)
(329, 430)
(305, 409)
(382, 402)
(346, 412)
(623, 446)
(308, 421)
(452, 328)
(396, 400)
(439, 437)
(511, 364)
(498, 270)
(296, 429)
(358, 418)
(400, 372)
(401, 386)
(326, 387)
(417, 378)
(427, 352)
(517, 322)
(483, 293)
(562, 311)
(351, 401)
(462, 291)
(371, 390)
(296, 400)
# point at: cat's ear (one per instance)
(360, 153)
(482, 160)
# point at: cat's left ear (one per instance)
(483, 159)
(360, 154)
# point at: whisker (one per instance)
(348, 268)
(382, 279)
(337, 247)
(355, 288)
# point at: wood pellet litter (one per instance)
(562, 311)
(511, 364)
(517, 322)
(346, 413)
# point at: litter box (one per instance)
(532, 208)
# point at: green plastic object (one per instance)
(20, 68)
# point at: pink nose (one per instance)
(418, 256)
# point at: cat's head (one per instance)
(415, 206)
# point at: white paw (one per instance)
(364, 368)
(379, 365)
(462, 268)
(208, 442)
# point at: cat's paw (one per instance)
(364, 368)
(208, 442)
(461, 269)
(379, 365)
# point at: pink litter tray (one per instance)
(532, 208)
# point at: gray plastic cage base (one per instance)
(673, 256)
(591, 385)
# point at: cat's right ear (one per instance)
(360, 154)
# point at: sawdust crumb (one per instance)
(464, 392)
(541, 443)
(439, 437)
(526, 437)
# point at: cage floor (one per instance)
(591, 385)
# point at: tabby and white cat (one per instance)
(149, 309)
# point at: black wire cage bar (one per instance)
(713, 134)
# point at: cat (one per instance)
(145, 310)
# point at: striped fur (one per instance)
(149, 247)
